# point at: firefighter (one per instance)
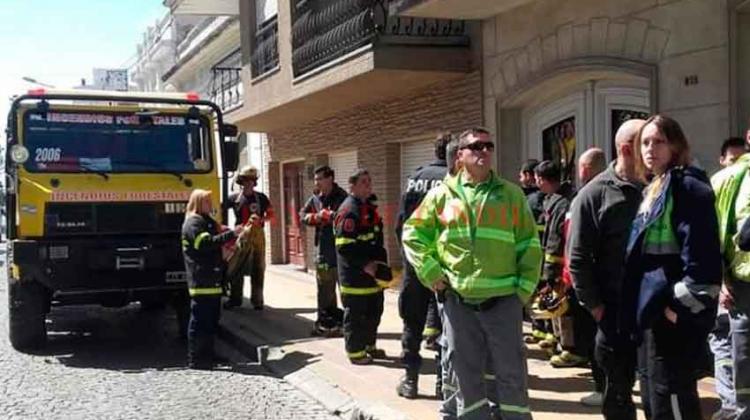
(201, 246)
(358, 232)
(319, 212)
(250, 207)
(416, 303)
(556, 204)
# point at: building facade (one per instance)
(370, 83)
(559, 76)
(197, 50)
(348, 84)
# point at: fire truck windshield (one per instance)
(67, 141)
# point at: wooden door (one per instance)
(295, 244)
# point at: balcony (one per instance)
(453, 9)
(339, 54)
(226, 83)
(325, 31)
(203, 7)
(206, 43)
(265, 55)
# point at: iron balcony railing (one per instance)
(265, 56)
(226, 87)
(226, 82)
(324, 30)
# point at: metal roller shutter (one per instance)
(414, 155)
(343, 165)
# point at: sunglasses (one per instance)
(479, 146)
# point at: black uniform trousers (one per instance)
(584, 338)
(204, 320)
(616, 355)
(361, 320)
(415, 306)
(668, 358)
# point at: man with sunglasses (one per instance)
(476, 237)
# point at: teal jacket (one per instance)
(486, 250)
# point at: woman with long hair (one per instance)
(673, 271)
(201, 247)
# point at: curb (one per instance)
(335, 400)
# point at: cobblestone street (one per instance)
(128, 363)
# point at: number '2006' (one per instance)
(48, 154)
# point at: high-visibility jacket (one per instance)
(201, 248)
(487, 250)
(358, 231)
(732, 209)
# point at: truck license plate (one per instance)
(175, 277)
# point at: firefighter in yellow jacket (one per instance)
(361, 258)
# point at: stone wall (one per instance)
(686, 42)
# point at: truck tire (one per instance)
(153, 305)
(27, 302)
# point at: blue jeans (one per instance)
(739, 331)
(721, 346)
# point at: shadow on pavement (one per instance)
(128, 339)
(567, 383)
(559, 406)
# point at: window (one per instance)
(559, 145)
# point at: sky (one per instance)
(59, 42)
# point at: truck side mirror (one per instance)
(231, 156)
(229, 130)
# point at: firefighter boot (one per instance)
(408, 387)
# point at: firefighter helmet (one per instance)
(549, 305)
(247, 172)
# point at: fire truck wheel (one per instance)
(27, 301)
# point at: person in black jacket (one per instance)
(319, 212)
(416, 304)
(534, 197)
(600, 221)
(201, 247)
(358, 230)
(557, 200)
(674, 270)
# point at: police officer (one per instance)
(416, 303)
(201, 246)
(250, 207)
(319, 212)
(359, 246)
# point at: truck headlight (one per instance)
(19, 154)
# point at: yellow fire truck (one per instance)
(96, 187)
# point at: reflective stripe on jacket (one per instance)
(488, 251)
(673, 253)
(201, 247)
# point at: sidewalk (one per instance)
(319, 366)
